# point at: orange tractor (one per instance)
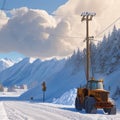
(93, 96)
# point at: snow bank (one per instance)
(68, 98)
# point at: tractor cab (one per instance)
(95, 84)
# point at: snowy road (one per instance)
(14, 110)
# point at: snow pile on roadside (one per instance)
(16, 93)
(68, 98)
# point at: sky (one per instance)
(34, 4)
(45, 29)
(47, 5)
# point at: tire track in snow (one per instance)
(43, 111)
(3, 115)
(25, 111)
(77, 115)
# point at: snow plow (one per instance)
(92, 96)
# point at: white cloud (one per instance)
(106, 12)
(3, 19)
(36, 33)
(27, 32)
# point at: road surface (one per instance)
(16, 110)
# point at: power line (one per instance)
(57, 35)
(108, 27)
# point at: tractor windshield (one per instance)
(95, 85)
(100, 85)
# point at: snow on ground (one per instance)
(11, 109)
(3, 114)
(16, 93)
(45, 111)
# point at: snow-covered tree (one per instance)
(107, 55)
(75, 61)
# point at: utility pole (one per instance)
(91, 56)
(87, 16)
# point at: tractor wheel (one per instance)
(105, 110)
(90, 105)
(112, 111)
(78, 104)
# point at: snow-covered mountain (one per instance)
(30, 72)
(5, 63)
